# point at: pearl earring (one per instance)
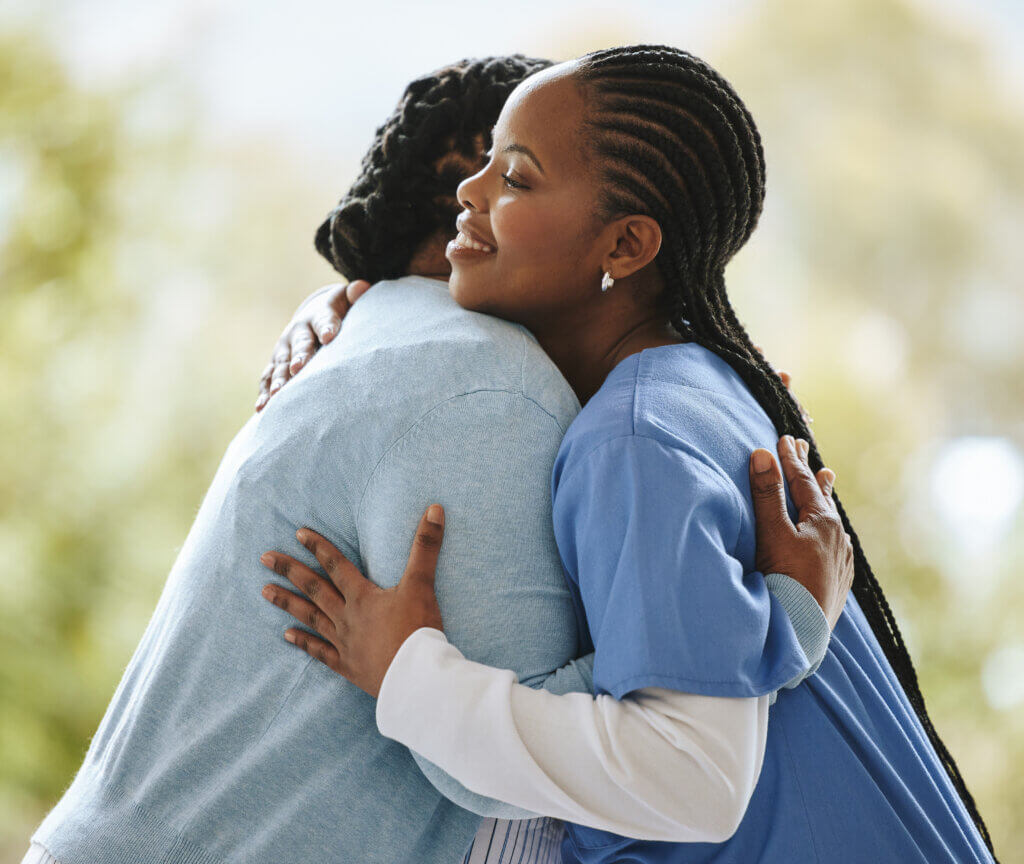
(607, 281)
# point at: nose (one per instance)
(470, 193)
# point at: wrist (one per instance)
(806, 616)
(401, 656)
(391, 693)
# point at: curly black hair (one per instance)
(675, 142)
(405, 192)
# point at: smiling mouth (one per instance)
(464, 241)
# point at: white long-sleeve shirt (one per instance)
(657, 765)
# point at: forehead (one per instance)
(544, 113)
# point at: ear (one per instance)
(636, 240)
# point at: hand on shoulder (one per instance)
(315, 323)
(816, 551)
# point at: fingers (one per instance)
(280, 375)
(334, 306)
(769, 497)
(264, 393)
(302, 344)
(357, 289)
(323, 594)
(803, 486)
(326, 325)
(300, 609)
(317, 648)
(845, 583)
(343, 573)
(426, 546)
(826, 478)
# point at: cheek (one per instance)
(535, 236)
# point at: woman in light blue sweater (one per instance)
(619, 186)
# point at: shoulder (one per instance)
(495, 438)
(425, 349)
(639, 472)
(687, 393)
(671, 405)
(603, 423)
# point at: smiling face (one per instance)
(534, 205)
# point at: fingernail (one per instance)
(804, 447)
(435, 514)
(266, 592)
(289, 637)
(261, 402)
(326, 333)
(266, 559)
(762, 461)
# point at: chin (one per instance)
(463, 293)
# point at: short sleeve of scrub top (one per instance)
(648, 534)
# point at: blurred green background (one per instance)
(162, 170)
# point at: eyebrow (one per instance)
(526, 151)
(517, 148)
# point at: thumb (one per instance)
(357, 289)
(426, 546)
(327, 322)
(769, 497)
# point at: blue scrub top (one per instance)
(655, 525)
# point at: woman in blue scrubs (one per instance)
(619, 186)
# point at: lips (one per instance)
(463, 241)
(467, 233)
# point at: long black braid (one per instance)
(675, 142)
(433, 140)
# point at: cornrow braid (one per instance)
(405, 192)
(675, 142)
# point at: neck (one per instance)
(586, 345)
(587, 350)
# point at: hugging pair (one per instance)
(592, 626)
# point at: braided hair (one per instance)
(675, 142)
(405, 192)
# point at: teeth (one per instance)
(468, 243)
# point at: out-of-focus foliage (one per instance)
(144, 273)
(57, 154)
(144, 276)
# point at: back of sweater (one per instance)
(222, 742)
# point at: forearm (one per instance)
(458, 794)
(663, 766)
(575, 677)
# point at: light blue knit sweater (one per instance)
(223, 743)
